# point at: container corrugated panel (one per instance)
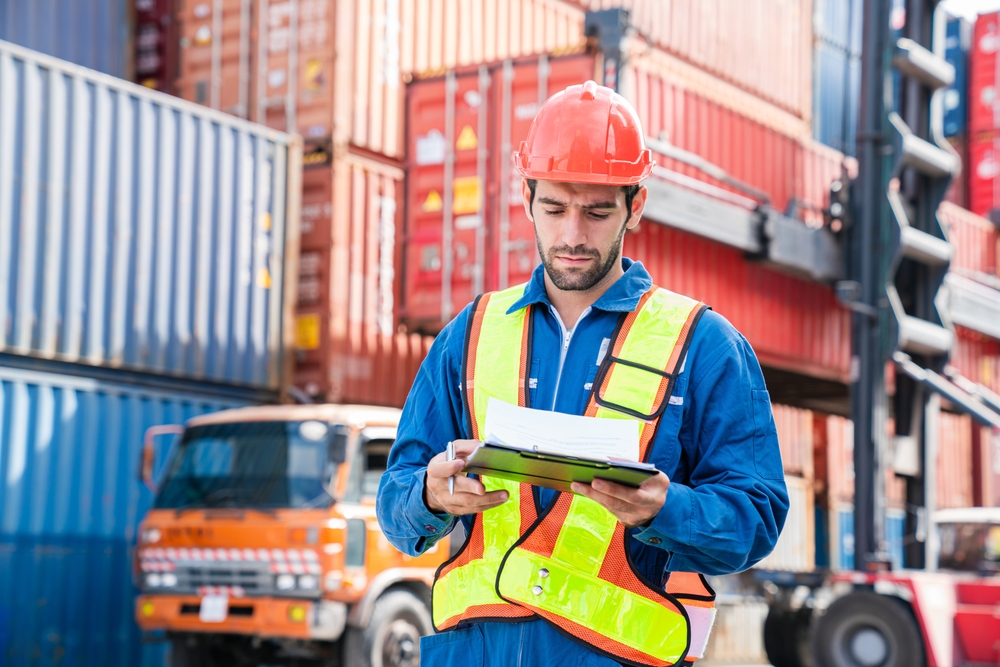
(301, 80)
(760, 149)
(839, 464)
(984, 103)
(957, 44)
(977, 357)
(796, 547)
(973, 238)
(795, 438)
(71, 501)
(842, 537)
(895, 527)
(983, 177)
(738, 633)
(90, 33)
(958, 189)
(954, 469)
(758, 45)
(791, 323)
(988, 465)
(138, 231)
(348, 349)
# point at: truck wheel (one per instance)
(184, 655)
(392, 637)
(864, 629)
(786, 636)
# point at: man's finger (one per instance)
(609, 502)
(628, 494)
(443, 469)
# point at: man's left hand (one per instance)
(633, 507)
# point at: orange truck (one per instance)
(262, 547)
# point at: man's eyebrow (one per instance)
(548, 201)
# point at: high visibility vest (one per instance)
(571, 564)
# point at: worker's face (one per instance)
(579, 229)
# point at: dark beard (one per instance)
(580, 281)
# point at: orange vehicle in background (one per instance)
(262, 546)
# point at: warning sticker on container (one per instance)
(313, 79)
(467, 139)
(467, 197)
(307, 331)
(433, 203)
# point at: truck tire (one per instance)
(392, 636)
(864, 629)
(786, 636)
(184, 655)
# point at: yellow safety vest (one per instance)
(571, 565)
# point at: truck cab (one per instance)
(262, 545)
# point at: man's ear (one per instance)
(638, 206)
(526, 198)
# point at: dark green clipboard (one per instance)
(553, 471)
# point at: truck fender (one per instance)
(416, 579)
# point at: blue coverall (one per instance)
(716, 442)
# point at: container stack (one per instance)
(144, 244)
(984, 116)
(955, 102)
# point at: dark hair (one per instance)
(629, 190)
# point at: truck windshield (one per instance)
(250, 464)
(971, 547)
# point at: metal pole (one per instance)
(868, 399)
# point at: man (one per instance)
(602, 576)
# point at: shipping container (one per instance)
(958, 189)
(841, 530)
(347, 345)
(958, 41)
(838, 460)
(156, 45)
(983, 180)
(91, 33)
(974, 241)
(986, 466)
(795, 438)
(141, 232)
(836, 72)
(983, 101)
(976, 357)
(792, 324)
(69, 460)
(954, 468)
(796, 547)
(758, 46)
(738, 634)
(336, 70)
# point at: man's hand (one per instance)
(470, 494)
(633, 507)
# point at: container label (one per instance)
(307, 331)
(466, 191)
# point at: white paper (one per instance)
(557, 433)
(214, 609)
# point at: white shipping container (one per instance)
(738, 634)
(796, 547)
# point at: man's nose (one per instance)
(574, 229)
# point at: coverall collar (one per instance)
(622, 297)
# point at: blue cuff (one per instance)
(428, 525)
(671, 528)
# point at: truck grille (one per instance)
(252, 579)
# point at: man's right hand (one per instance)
(470, 495)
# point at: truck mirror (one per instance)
(149, 451)
(337, 450)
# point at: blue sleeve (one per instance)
(728, 501)
(432, 416)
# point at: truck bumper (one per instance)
(253, 616)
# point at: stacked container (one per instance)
(984, 116)
(144, 246)
(955, 102)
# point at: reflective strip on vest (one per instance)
(498, 374)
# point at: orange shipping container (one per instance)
(760, 46)
(973, 238)
(839, 464)
(977, 357)
(347, 347)
(954, 469)
(986, 466)
(795, 438)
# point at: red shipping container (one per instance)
(977, 357)
(954, 469)
(839, 464)
(760, 46)
(984, 173)
(986, 466)
(984, 84)
(973, 238)
(155, 45)
(958, 189)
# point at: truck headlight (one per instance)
(307, 582)
(154, 580)
(285, 582)
(168, 579)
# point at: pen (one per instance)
(451, 457)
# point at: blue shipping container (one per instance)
(837, 72)
(142, 232)
(69, 458)
(92, 33)
(842, 537)
(959, 39)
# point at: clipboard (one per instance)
(553, 471)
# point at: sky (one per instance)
(970, 8)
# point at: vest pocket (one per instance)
(464, 646)
(766, 455)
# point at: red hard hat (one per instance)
(585, 134)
